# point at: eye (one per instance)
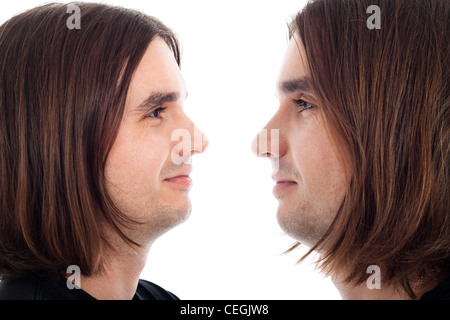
(155, 113)
(303, 104)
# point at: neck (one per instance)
(349, 291)
(121, 271)
(362, 292)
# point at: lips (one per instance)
(181, 179)
(283, 184)
(183, 173)
(281, 179)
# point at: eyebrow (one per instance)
(157, 98)
(301, 84)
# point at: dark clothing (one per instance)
(440, 292)
(40, 288)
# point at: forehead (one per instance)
(295, 64)
(158, 71)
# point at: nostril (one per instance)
(265, 155)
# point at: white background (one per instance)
(231, 247)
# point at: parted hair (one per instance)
(385, 94)
(62, 97)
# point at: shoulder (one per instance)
(25, 288)
(440, 292)
(39, 288)
(147, 290)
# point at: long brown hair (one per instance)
(385, 94)
(62, 97)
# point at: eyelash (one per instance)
(157, 111)
(301, 103)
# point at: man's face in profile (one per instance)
(310, 181)
(148, 168)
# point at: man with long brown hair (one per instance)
(92, 170)
(361, 141)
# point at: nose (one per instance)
(192, 141)
(200, 141)
(267, 142)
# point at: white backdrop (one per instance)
(231, 247)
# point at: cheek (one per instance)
(143, 165)
(136, 163)
(317, 162)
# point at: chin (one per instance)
(293, 221)
(287, 223)
(179, 213)
(166, 217)
(185, 212)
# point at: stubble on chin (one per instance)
(303, 225)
